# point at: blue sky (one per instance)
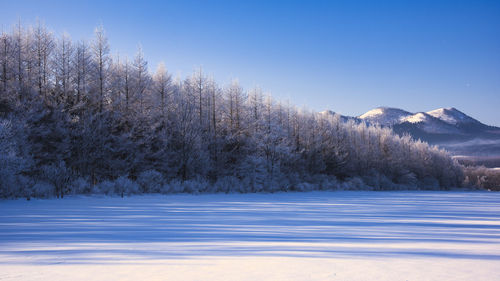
(346, 56)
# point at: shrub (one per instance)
(151, 181)
(226, 184)
(409, 180)
(104, 187)
(174, 186)
(195, 185)
(58, 175)
(124, 185)
(429, 183)
(42, 189)
(354, 183)
(80, 186)
(482, 177)
(304, 186)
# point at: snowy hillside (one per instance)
(452, 116)
(446, 127)
(385, 116)
(439, 121)
(430, 124)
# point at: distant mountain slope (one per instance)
(385, 116)
(446, 127)
(452, 116)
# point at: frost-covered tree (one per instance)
(6, 65)
(101, 60)
(63, 68)
(162, 85)
(141, 82)
(82, 66)
(93, 120)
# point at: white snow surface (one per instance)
(430, 123)
(385, 116)
(451, 116)
(416, 118)
(283, 236)
(441, 120)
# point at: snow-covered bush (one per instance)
(8, 176)
(124, 185)
(280, 183)
(226, 184)
(12, 165)
(121, 186)
(304, 186)
(328, 183)
(429, 183)
(104, 187)
(80, 186)
(195, 185)
(482, 177)
(58, 175)
(174, 186)
(150, 181)
(354, 183)
(409, 180)
(43, 189)
(378, 181)
(249, 184)
(165, 188)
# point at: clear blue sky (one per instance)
(347, 56)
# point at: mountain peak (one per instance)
(328, 112)
(386, 116)
(452, 116)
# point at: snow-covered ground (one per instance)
(283, 236)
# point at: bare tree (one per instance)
(44, 44)
(141, 79)
(63, 69)
(100, 48)
(82, 64)
(6, 63)
(163, 88)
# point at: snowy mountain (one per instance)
(430, 124)
(446, 127)
(385, 116)
(452, 116)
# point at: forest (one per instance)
(77, 119)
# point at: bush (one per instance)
(327, 182)
(8, 182)
(429, 183)
(482, 177)
(195, 185)
(226, 184)
(123, 185)
(408, 180)
(304, 186)
(105, 187)
(42, 189)
(151, 181)
(174, 186)
(12, 163)
(58, 175)
(80, 186)
(354, 183)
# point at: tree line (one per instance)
(76, 119)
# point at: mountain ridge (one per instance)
(448, 128)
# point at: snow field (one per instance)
(282, 236)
